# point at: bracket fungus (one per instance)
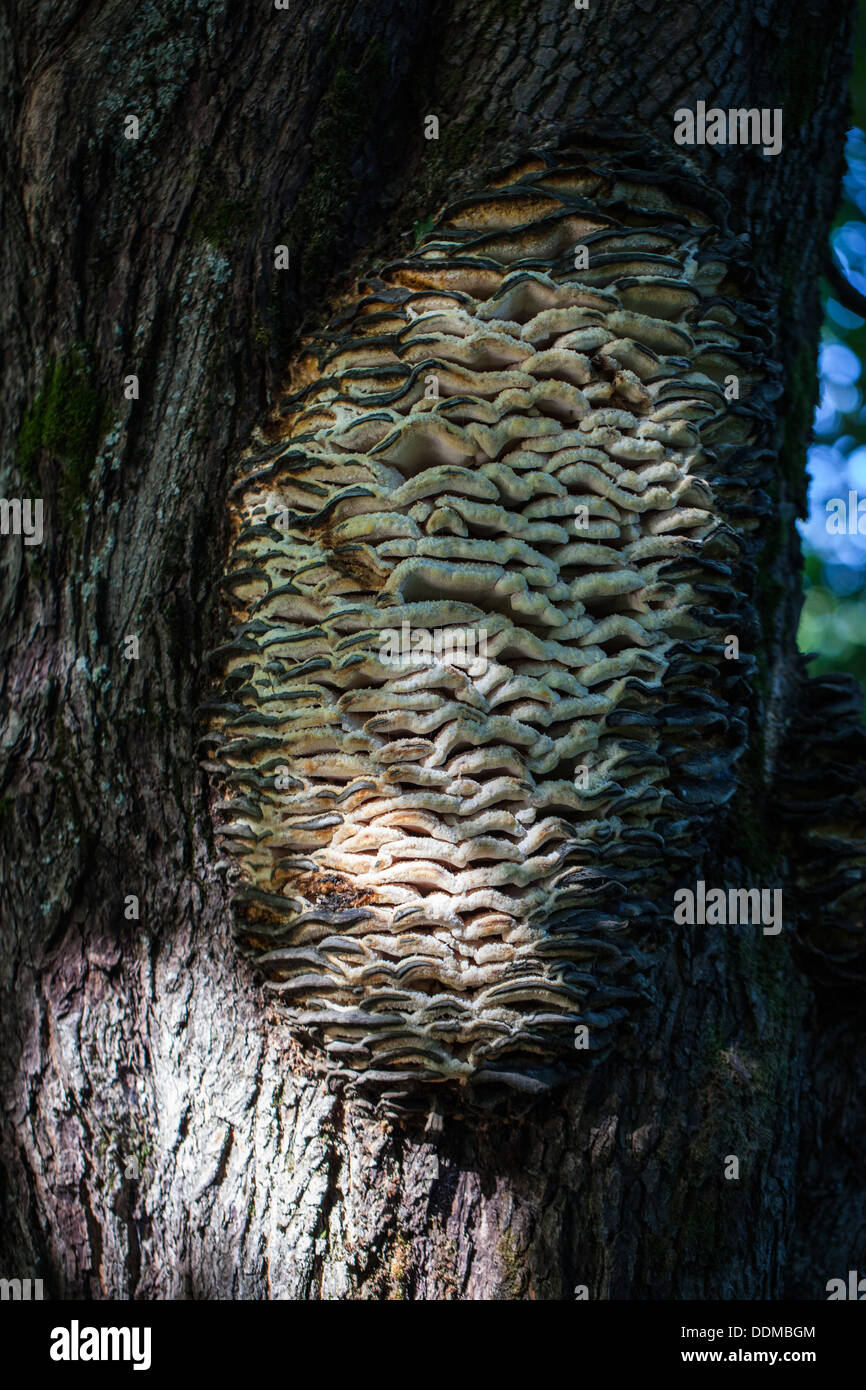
(443, 869)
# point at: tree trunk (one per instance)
(163, 1136)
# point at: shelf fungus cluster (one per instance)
(523, 436)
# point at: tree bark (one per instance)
(163, 1137)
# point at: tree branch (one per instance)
(849, 297)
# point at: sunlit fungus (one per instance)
(522, 438)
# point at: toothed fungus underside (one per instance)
(444, 868)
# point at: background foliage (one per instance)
(833, 622)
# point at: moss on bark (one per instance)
(68, 420)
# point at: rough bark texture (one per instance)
(143, 1046)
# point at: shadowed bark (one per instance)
(162, 1135)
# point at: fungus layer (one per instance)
(446, 866)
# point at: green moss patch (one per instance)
(68, 419)
(219, 218)
(346, 116)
